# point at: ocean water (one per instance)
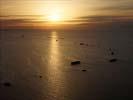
(37, 64)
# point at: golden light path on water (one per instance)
(54, 49)
(55, 75)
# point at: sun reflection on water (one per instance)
(55, 75)
(54, 50)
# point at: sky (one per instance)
(44, 13)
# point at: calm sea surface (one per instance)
(37, 64)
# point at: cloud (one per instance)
(19, 19)
(107, 18)
(84, 21)
(20, 16)
(8, 23)
(118, 8)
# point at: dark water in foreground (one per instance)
(37, 65)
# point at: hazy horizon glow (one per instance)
(41, 12)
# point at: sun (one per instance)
(54, 17)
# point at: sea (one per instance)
(36, 65)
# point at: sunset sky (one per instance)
(42, 13)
